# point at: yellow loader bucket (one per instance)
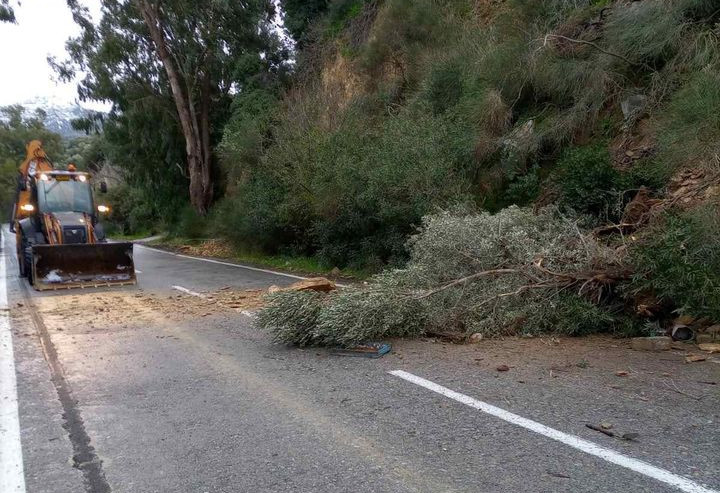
(82, 265)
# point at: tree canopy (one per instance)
(170, 70)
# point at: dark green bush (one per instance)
(445, 88)
(190, 224)
(132, 211)
(588, 182)
(679, 261)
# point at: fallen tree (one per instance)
(516, 271)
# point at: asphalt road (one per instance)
(134, 390)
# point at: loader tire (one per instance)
(21, 257)
(28, 261)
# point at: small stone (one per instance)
(695, 358)
(710, 347)
(475, 338)
(503, 368)
(335, 271)
(658, 343)
(606, 426)
(622, 373)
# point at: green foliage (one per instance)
(340, 12)
(679, 261)
(689, 127)
(588, 182)
(467, 272)
(445, 88)
(190, 224)
(380, 311)
(300, 14)
(291, 316)
(17, 129)
(131, 210)
(576, 316)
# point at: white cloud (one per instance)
(42, 28)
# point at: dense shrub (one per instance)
(679, 261)
(131, 211)
(588, 182)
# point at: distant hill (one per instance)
(59, 115)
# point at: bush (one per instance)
(689, 127)
(132, 211)
(679, 261)
(190, 224)
(588, 182)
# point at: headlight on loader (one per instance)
(103, 209)
(27, 207)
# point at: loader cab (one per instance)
(64, 191)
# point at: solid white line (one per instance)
(187, 291)
(586, 446)
(12, 478)
(239, 266)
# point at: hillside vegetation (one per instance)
(601, 117)
(504, 166)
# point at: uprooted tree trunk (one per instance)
(194, 121)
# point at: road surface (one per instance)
(159, 389)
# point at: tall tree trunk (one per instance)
(196, 133)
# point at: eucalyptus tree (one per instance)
(7, 14)
(177, 56)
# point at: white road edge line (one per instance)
(239, 266)
(187, 291)
(577, 443)
(12, 477)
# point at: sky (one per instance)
(42, 28)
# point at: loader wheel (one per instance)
(21, 256)
(28, 265)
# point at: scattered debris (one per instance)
(673, 386)
(320, 284)
(600, 429)
(630, 436)
(695, 358)
(622, 373)
(475, 338)
(558, 474)
(503, 368)
(606, 426)
(710, 347)
(368, 350)
(658, 343)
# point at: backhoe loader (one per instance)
(60, 242)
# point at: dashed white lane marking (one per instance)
(187, 291)
(12, 478)
(586, 446)
(239, 266)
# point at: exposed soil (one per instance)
(608, 363)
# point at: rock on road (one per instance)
(154, 389)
